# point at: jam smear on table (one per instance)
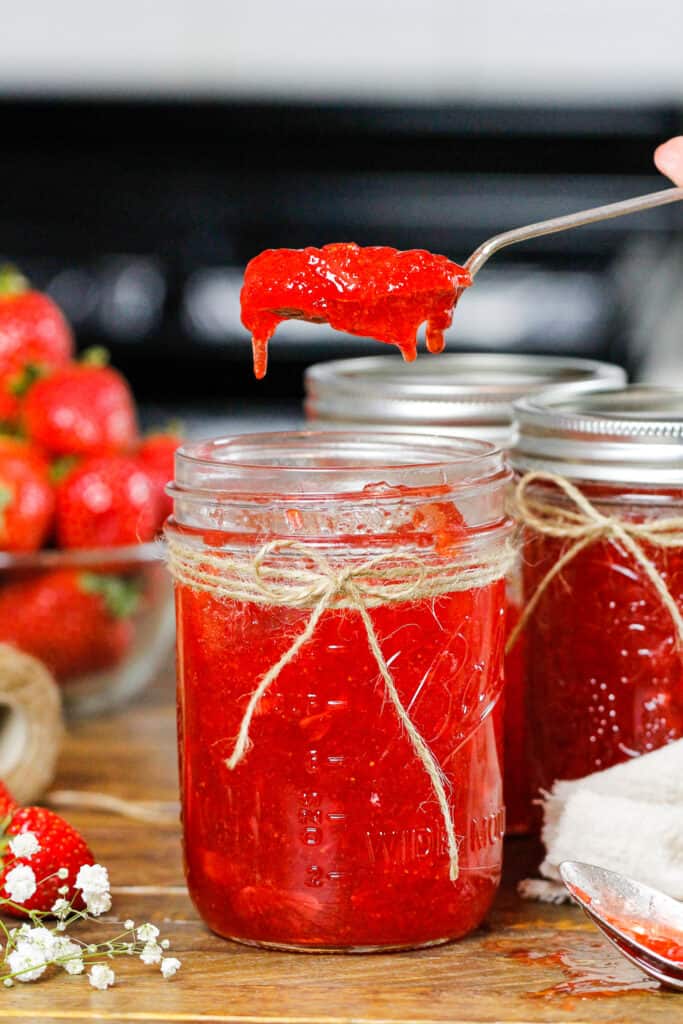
(374, 291)
(604, 673)
(328, 833)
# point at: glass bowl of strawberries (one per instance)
(82, 500)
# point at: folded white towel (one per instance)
(628, 818)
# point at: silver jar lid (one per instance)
(631, 435)
(468, 393)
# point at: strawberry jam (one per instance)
(377, 292)
(600, 489)
(328, 834)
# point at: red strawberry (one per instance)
(156, 456)
(82, 409)
(34, 339)
(106, 502)
(7, 802)
(75, 622)
(27, 501)
(61, 846)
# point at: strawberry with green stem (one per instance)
(85, 408)
(27, 500)
(75, 622)
(35, 340)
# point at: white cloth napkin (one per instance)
(628, 818)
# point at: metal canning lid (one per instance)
(469, 393)
(631, 435)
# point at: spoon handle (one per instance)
(570, 220)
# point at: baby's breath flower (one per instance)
(25, 845)
(164, 944)
(39, 941)
(97, 903)
(169, 966)
(92, 948)
(68, 954)
(92, 878)
(63, 873)
(147, 932)
(129, 925)
(151, 953)
(75, 966)
(8, 982)
(101, 976)
(61, 907)
(25, 964)
(63, 890)
(20, 883)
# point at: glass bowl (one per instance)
(102, 620)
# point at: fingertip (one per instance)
(669, 159)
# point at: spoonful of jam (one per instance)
(384, 293)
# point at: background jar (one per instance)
(469, 394)
(327, 835)
(604, 668)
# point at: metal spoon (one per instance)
(608, 898)
(570, 220)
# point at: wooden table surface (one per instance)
(531, 962)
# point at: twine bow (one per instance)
(584, 524)
(312, 581)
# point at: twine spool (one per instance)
(288, 573)
(31, 725)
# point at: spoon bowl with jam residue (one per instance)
(645, 925)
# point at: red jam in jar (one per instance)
(468, 394)
(328, 833)
(604, 668)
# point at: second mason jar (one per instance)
(468, 394)
(340, 609)
(600, 496)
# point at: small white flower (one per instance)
(97, 903)
(63, 890)
(39, 942)
(68, 954)
(101, 976)
(20, 883)
(75, 966)
(129, 925)
(25, 845)
(8, 982)
(63, 873)
(26, 965)
(164, 943)
(169, 966)
(92, 878)
(147, 932)
(151, 954)
(92, 948)
(61, 907)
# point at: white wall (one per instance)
(355, 48)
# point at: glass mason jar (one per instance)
(471, 395)
(603, 647)
(328, 833)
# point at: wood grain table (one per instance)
(530, 962)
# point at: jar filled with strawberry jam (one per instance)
(340, 617)
(600, 494)
(470, 394)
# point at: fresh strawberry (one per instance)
(75, 622)
(34, 340)
(83, 409)
(106, 502)
(27, 501)
(7, 802)
(61, 846)
(156, 456)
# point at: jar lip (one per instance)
(459, 387)
(632, 434)
(311, 463)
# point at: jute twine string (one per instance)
(291, 574)
(585, 524)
